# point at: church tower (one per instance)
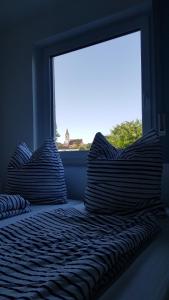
(67, 138)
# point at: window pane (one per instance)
(98, 88)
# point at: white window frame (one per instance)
(75, 39)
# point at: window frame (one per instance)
(76, 39)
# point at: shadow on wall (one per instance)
(75, 181)
(75, 165)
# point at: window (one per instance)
(52, 58)
(98, 88)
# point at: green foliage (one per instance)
(57, 135)
(85, 147)
(59, 145)
(125, 133)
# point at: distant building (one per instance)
(72, 143)
(76, 143)
(67, 138)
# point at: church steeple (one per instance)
(67, 138)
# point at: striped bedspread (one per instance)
(68, 254)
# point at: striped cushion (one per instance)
(126, 181)
(100, 148)
(11, 205)
(21, 156)
(41, 178)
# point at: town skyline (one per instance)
(120, 136)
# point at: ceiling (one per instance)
(15, 11)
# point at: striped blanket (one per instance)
(68, 254)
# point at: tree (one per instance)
(57, 135)
(85, 147)
(125, 133)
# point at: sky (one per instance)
(98, 87)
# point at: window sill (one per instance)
(74, 158)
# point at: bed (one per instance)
(28, 251)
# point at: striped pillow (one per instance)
(21, 156)
(124, 181)
(40, 178)
(12, 205)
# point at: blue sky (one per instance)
(98, 87)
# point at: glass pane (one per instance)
(98, 88)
